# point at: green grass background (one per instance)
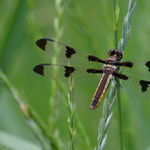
(91, 29)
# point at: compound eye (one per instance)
(120, 55)
(111, 52)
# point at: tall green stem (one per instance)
(115, 28)
(71, 117)
(116, 16)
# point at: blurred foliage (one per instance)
(88, 25)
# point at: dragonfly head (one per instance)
(116, 53)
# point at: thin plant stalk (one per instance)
(75, 15)
(108, 103)
(116, 18)
(52, 100)
(71, 118)
(122, 45)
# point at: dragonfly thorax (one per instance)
(108, 68)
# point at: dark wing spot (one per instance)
(125, 64)
(120, 76)
(148, 65)
(144, 85)
(41, 43)
(94, 71)
(68, 71)
(39, 69)
(69, 51)
(93, 58)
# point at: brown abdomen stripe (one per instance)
(101, 90)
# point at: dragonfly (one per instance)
(73, 62)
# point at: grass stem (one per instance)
(116, 17)
(115, 86)
(71, 117)
(52, 100)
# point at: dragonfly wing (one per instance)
(136, 87)
(134, 64)
(63, 72)
(68, 54)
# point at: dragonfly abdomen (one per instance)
(101, 90)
